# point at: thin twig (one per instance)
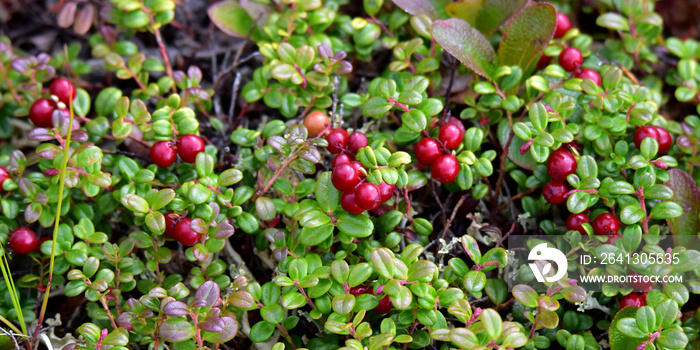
(449, 90)
(452, 217)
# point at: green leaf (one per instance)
(422, 270)
(135, 203)
(176, 329)
(383, 262)
(612, 21)
(666, 210)
(687, 194)
(666, 313)
(261, 331)
(646, 319)
(231, 18)
(525, 294)
(493, 325)
(414, 120)
(435, 9)
(467, 44)
(355, 225)
(618, 340)
(162, 198)
(526, 35)
(672, 338)
(316, 235)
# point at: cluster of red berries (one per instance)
(23, 240)
(570, 58)
(179, 229)
(41, 110)
(436, 153)
(348, 175)
(560, 164)
(605, 224)
(384, 303)
(661, 135)
(164, 153)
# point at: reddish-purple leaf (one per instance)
(175, 308)
(687, 194)
(207, 294)
(435, 9)
(465, 43)
(526, 35)
(176, 329)
(223, 230)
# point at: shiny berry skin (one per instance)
(427, 150)
(63, 89)
(445, 169)
(188, 147)
(633, 299)
(23, 240)
(560, 164)
(316, 122)
(359, 290)
(345, 177)
(40, 112)
(570, 59)
(575, 222)
(554, 192)
(170, 225)
(450, 136)
(361, 171)
(163, 154)
(337, 140)
(563, 26)
(357, 140)
(184, 234)
(639, 284)
(347, 201)
(662, 137)
(384, 305)
(386, 191)
(342, 158)
(367, 196)
(589, 74)
(605, 224)
(4, 175)
(458, 123)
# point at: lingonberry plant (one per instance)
(330, 174)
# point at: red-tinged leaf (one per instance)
(176, 329)
(434, 9)
(687, 194)
(207, 294)
(84, 18)
(465, 43)
(175, 308)
(526, 35)
(493, 13)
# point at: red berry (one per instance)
(555, 192)
(605, 224)
(63, 89)
(337, 140)
(316, 122)
(163, 154)
(589, 74)
(347, 201)
(23, 240)
(543, 61)
(570, 59)
(640, 283)
(184, 233)
(386, 191)
(662, 137)
(359, 167)
(357, 140)
(4, 175)
(384, 305)
(345, 177)
(189, 146)
(575, 222)
(458, 123)
(445, 169)
(40, 112)
(633, 299)
(342, 158)
(427, 150)
(170, 224)
(450, 136)
(367, 196)
(560, 164)
(359, 290)
(563, 25)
